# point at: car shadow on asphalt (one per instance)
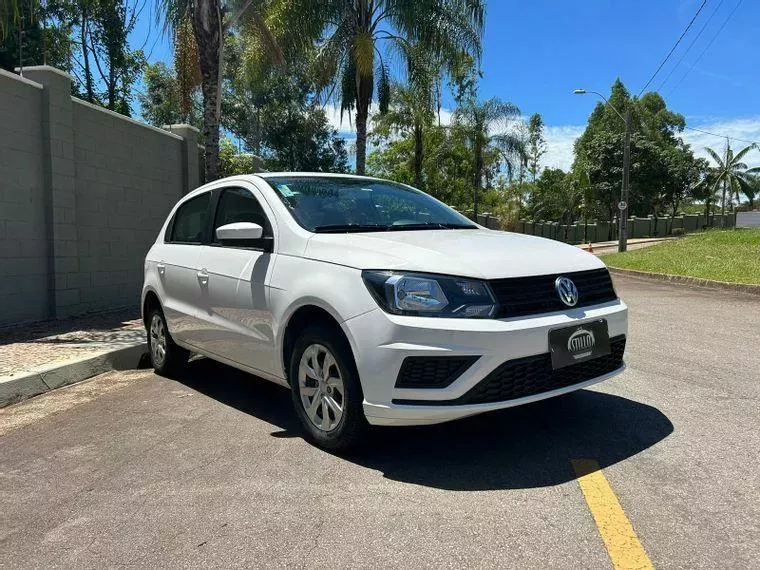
(522, 447)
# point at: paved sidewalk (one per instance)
(26, 349)
(633, 243)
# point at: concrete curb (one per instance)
(19, 388)
(692, 281)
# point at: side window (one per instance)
(239, 205)
(190, 221)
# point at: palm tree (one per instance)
(210, 21)
(731, 174)
(350, 54)
(487, 124)
(414, 105)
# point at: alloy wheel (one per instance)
(157, 340)
(321, 387)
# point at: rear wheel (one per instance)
(166, 357)
(326, 391)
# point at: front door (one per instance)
(235, 310)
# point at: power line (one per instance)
(720, 136)
(706, 48)
(704, 2)
(684, 54)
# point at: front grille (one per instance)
(432, 371)
(519, 296)
(532, 375)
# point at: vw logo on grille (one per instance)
(581, 343)
(567, 291)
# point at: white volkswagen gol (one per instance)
(375, 303)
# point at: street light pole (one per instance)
(623, 204)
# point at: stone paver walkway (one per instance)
(35, 347)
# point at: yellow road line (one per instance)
(616, 530)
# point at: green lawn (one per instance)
(723, 255)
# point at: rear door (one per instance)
(178, 266)
(235, 310)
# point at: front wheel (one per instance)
(326, 391)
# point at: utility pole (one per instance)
(623, 204)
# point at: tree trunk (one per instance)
(672, 218)
(418, 155)
(207, 35)
(723, 207)
(363, 100)
(89, 91)
(478, 174)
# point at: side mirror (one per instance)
(239, 231)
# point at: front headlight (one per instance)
(427, 295)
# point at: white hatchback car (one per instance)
(374, 302)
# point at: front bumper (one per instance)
(382, 341)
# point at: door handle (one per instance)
(203, 277)
(161, 268)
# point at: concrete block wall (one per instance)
(83, 192)
(23, 240)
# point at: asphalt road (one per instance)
(137, 470)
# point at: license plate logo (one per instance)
(581, 344)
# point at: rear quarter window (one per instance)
(190, 222)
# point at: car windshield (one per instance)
(342, 205)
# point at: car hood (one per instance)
(482, 253)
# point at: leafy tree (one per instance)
(275, 111)
(599, 152)
(536, 147)
(752, 189)
(160, 101)
(448, 168)
(45, 35)
(411, 113)
(686, 175)
(730, 174)
(360, 36)
(234, 162)
(107, 38)
(487, 126)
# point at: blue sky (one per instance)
(535, 53)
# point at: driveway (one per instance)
(137, 470)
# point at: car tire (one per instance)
(166, 357)
(339, 389)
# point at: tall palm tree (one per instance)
(731, 174)
(211, 20)
(351, 55)
(488, 125)
(414, 105)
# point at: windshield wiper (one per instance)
(430, 226)
(346, 228)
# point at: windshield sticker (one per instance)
(285, 191)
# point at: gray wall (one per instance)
(748, 219)
(596, 231)
(23, 246)
(83, 192)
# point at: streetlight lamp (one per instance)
(623, 204)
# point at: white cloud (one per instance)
(746, 128)
(345, 125)
(559, 145)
